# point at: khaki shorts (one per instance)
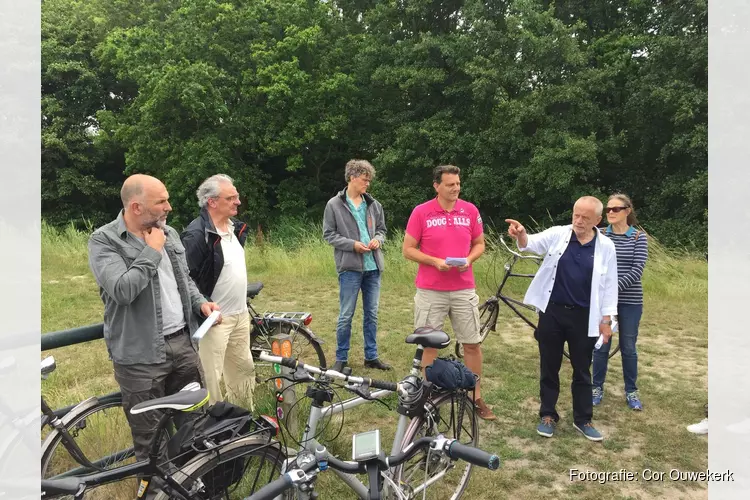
(431, 307)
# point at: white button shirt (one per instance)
(551, 243)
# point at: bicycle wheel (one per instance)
(487, 321)
(103, 434)
(212, 475)
(305, 346)
(453, 416)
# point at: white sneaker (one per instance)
(740, 427)
(699, 428)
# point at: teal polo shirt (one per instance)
(360, 215)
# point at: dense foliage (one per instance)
(538, 102)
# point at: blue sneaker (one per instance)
(546, 427)
(634, 402)
(597, 393)
(589, 432)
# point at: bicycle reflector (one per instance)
(275, 348)
(273, 422)
(286, 348)
(308, 320)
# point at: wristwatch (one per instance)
(607, 322)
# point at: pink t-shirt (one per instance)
(445, 234)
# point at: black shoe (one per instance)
(376, 363)
(338, 366)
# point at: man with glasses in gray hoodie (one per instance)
(354, 224)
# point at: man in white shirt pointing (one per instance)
(575, 292)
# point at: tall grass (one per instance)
(297, 250)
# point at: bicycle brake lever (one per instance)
(362, 391)
(301, 374)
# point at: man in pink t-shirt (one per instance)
(448, 228)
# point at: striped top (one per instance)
(632, 253)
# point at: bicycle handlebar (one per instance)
(450, 447)
(358, 381)
(472, 455)
(518, 254)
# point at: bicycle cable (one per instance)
(325, 421)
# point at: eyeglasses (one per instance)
(616, 210)
(230, 198)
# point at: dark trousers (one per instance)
(556, 326)
(143, 382)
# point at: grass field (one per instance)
(299, 274)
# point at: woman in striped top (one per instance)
(632, 251)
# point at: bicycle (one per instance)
(294, 324)
(95, 428)
(76, 431)
(217, 466)
(424, 410)
(303, 477)
(488, 311)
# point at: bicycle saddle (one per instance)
(192, 396)
(429, 337)
(253, 289)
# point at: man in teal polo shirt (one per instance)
(354, 224)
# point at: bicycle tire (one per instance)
(486, 325)
(57, 460)
(470, 436)
(191, 476)
(302, 340)
(119, 432)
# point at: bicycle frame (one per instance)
(310, 443)
(148, 467)
(318, 412)
(510, 301)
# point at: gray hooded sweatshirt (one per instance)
(340, 230)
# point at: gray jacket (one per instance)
(341, 231)
(125, 268)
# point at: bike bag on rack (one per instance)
(448, 373)
(221, 424)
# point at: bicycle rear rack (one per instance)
(297, 317)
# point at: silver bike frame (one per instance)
(309, 443)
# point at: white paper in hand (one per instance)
(456, 261)
(206, 325)
(600, 342)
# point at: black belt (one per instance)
(179, 332)
(568, 306)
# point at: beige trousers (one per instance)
(225, 350)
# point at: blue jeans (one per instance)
(350, 283)
(628, 317)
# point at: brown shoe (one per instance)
(483, 410)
